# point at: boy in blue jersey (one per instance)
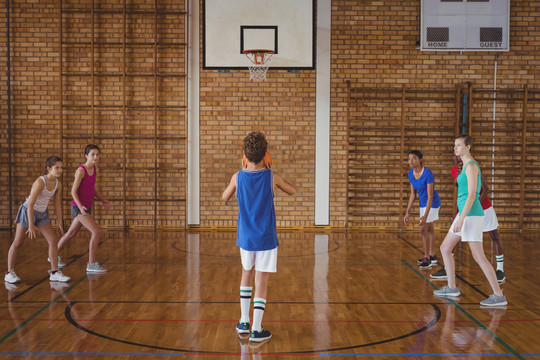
(256, 232)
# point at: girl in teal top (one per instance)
(463, 192)
(467, 226)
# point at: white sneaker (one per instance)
(61, 264)
(95, 267)
(494, 300)
(447, 291)
(11, 277)
(58, 276)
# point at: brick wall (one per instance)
(373, 44)
(34, 59)
(138, 120)
(4, 156)
(284, 108)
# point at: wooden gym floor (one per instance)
(335, 296)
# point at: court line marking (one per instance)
(276, 321)
(496, 308)
(236, 302)
(412, 354)
(20, 307)
(247, 353)
(237, 255)
(255, 353)
(234, 321)
(88, 353)
(437, 316)
(5, 337)
(508, 347)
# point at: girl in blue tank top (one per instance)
(467, 226)
(423, 183)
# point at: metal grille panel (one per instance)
(491, 34)
(435, 34)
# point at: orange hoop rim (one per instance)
(258, 51)
(259, 57)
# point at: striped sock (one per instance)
(245, 302)
(500, 262)
(258, 311)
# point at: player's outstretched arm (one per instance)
(282, 184)
(229, 191)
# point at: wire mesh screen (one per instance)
(491, 34)
(438, 34)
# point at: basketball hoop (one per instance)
(259, 62)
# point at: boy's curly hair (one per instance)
(255, 146)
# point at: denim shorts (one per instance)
(40, 218)
(76, 211)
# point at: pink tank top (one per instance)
(86, 190)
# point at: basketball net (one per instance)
(258, 63)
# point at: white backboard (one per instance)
(286, 27)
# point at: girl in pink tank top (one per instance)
(83, 192)
(87, 189)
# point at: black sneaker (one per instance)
(259, 336)
(500, 276)
(439, 275)
(433, 259)
(419, 261)
(426, 264)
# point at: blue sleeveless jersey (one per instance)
(256, 215)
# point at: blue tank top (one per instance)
(256, 214)
(463, 192)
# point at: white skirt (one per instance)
(433, 214)
(490, 221)
(471, 229)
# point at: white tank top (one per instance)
(43, 198)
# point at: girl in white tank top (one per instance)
(42, 201)
(33, 216)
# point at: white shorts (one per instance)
(264, 261)
(433, 214)
(490, 221)
(471, 229)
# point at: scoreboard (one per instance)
(465, 25)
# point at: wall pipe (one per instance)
(10, 135)
(493, 138)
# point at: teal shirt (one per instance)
(463, 192)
